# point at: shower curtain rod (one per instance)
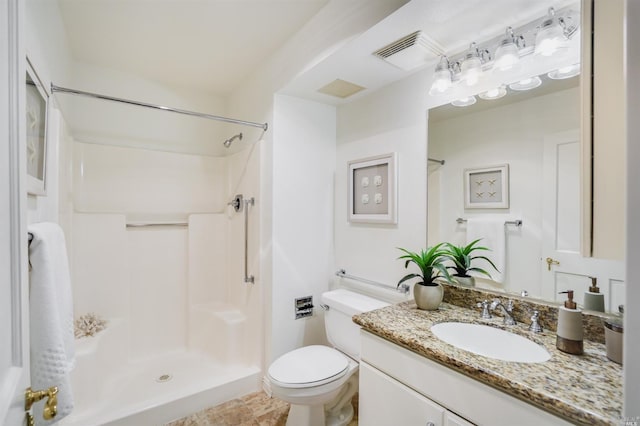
(54, 88)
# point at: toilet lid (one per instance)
(308, 366)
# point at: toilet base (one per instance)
(343, 418)
(314, 415)
(338, 412)
(306, 415)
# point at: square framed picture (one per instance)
(373, 189)
(36, 132)
(486, 188)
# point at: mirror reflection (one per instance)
(535, 133)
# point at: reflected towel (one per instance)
(491, 235)
(51, 316)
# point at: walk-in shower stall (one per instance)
(159, 252)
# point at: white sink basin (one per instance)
(490, 342)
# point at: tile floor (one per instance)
(255, 409)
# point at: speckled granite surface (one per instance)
(585, 389)
(468, 297)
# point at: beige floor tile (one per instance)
(255, 409)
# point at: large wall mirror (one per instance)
(536, 133)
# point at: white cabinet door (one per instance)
(451, 419)
(385, 401)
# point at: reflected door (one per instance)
(563, 267)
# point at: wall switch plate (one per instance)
(303, 307)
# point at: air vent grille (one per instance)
(410, 51)
(397, 46)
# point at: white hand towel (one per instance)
(491, 233)
(51, 316)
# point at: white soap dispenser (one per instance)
(593, 299)
(570, 333)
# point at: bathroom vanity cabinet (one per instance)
(398, 386)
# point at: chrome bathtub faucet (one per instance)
(508, 311)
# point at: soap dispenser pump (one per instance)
(593, 299)
(570, 333)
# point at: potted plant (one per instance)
(462, 258)
(427, 292)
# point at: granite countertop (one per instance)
(584, 389)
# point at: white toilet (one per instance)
(319, 381)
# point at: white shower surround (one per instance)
(173, 296)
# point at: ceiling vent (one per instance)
(411, 51)
(341, 88)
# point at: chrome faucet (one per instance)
(485, 309)
(508, 311)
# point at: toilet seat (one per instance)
(308, 366)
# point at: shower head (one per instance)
(228, 142)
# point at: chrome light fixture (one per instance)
(471, 67)
(532, 43)
(552, 38)
(526, 84)
(441, 77)
(507, 56)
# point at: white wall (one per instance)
(632, 316)
(302, 246)
(99, 121)
(392, 119)
(512, 134)
(46, 46)
(253, 100)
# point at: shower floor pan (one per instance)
(158, 390)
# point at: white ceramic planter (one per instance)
(428, 297)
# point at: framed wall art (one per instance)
(486, 188)
(36, 132)
(373, 189)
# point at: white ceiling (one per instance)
(212, 45)
(208, 45)
(453, 25)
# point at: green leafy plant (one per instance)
(462, 258)
(431, 265)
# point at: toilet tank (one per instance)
(342, 332)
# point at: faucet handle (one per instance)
(535, 326)
(485, 309)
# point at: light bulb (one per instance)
(462, 102)
(526, 84)
(506, 56)
(551, 40)
(441, 78)
(565, 72)
(471, 67)
(492, 94)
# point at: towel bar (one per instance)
(517, 222)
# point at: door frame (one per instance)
(14, 201)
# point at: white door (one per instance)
(566, 268)
(14, 346)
